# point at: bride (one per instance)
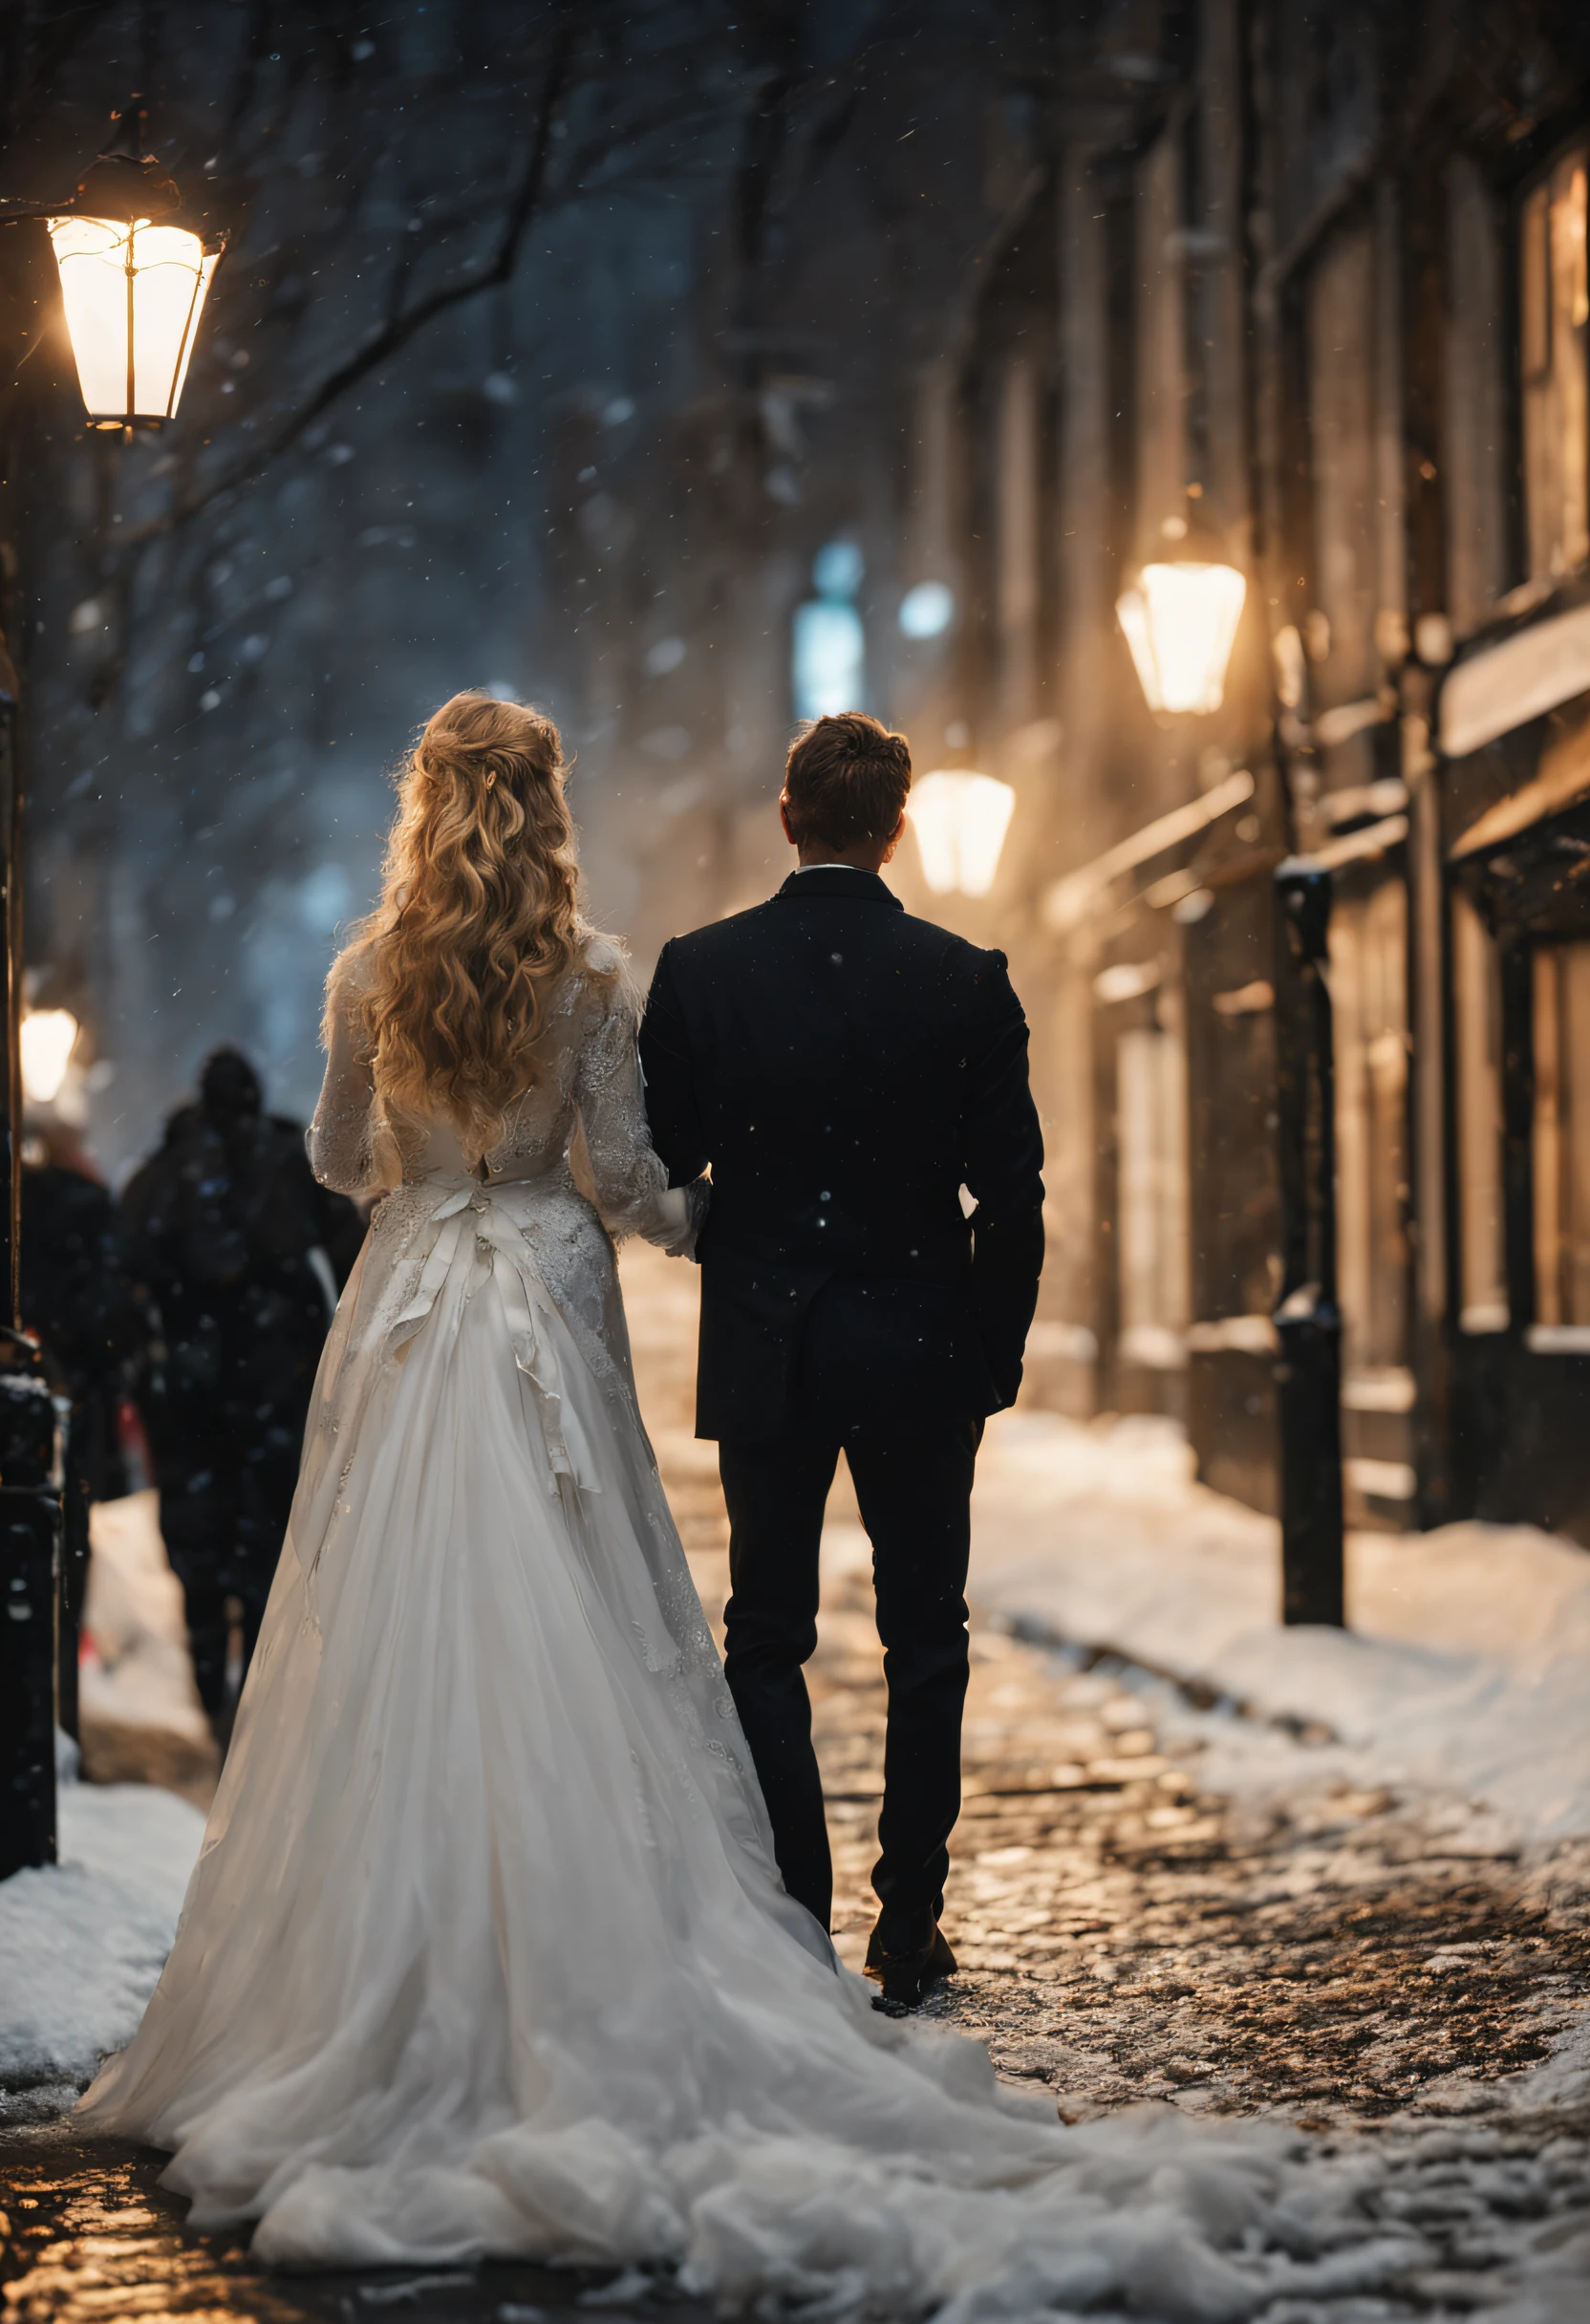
(485, 1952)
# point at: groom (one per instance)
(846, 1070)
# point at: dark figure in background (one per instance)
(75, 1304)
(846, 1070)
(237, 1253)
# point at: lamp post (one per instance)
(133, 286)
(1307, 1317)
(30, 1516)
(1180, 617)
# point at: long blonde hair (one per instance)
(479, 922)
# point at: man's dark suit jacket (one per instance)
(845, 1069)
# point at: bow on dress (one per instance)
(472, 1213)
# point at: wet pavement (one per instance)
(1123, 1934)
(1378, 1968)
(89, 2237)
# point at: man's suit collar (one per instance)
(839, 879)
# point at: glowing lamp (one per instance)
(1181, 622)
(133, 285)
(961, 820)
(49, 1037)
(133, 292)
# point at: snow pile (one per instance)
(1464, 1667)
(82, 1942)
(135, 1671)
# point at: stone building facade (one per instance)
(1310, 284)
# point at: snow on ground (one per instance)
(82, 1942)
(1463, 1668)
(136, 1671)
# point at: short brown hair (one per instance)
(847, 778)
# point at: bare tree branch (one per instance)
(402, 326)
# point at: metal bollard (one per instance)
(30, 1586)
(1307, 1318)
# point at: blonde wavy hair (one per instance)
(479, 922)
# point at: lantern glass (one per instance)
(133, 294)
(49, 1037)
(961, 820)
(1181, 622)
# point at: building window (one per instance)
(1152, 1115)
(1475, 399)
(1561, 1143)
(829, 646)
(1368, 991)
(1556, 304)
(1478, 1004)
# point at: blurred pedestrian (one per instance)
(75, 1304)
(238, 1256)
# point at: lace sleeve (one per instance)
(632, 1186)
(341, 1137)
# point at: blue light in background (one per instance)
(837, 569)
(828, 655)
(325, 897)
(928, 610)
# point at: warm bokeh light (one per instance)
(49, 1037)
(130, 285)
(961, 820)
(1181, 622)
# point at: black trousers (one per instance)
(225, 1505)
(914, 1483)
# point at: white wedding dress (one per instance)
(485, 1952)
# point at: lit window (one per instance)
(829, 656)
(1561, 1143)
(1154, 1242)
(1368, 993)
(1556, 304)
(1477, 1009)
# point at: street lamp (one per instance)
(133, 292)
(49, 1037)
(1180, 617)
(961, 820)
(133, 287)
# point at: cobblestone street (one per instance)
(1372, 1968)
(1122, 1934)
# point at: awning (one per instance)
(1067, 901)
(1563, 777)
(1508, 685)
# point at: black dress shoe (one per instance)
(906, 1977)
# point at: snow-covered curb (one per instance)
(82, 1942)
(1464, 1667)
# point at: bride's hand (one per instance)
(674, 1232)
(682, 1214)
